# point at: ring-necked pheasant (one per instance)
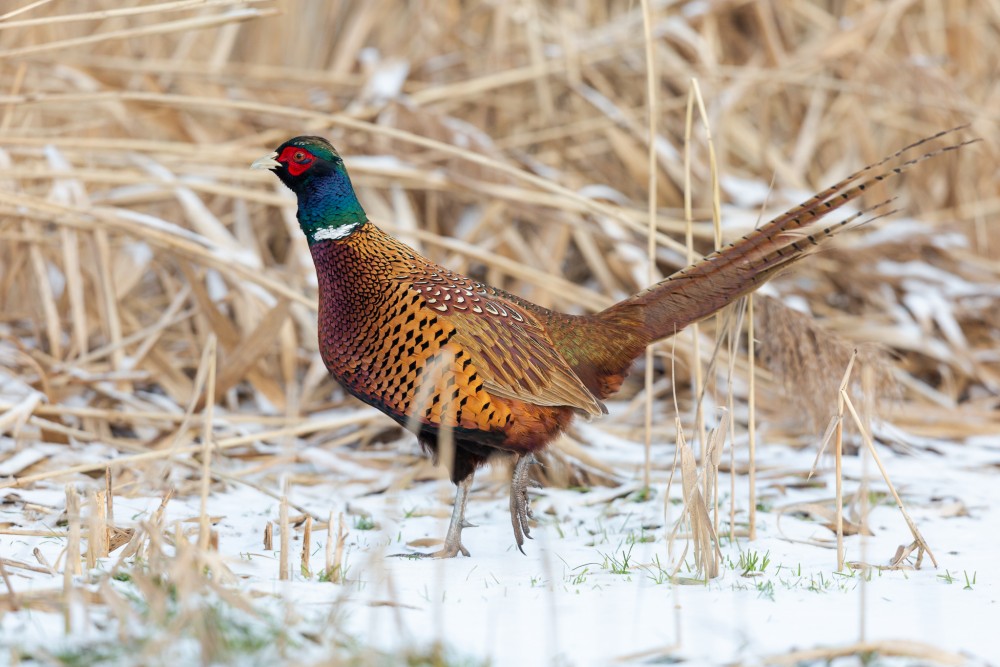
(457, 361)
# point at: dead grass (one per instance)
(509, 141)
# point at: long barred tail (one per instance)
(701, 289)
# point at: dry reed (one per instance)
(133, 237)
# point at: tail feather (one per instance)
(701, 289)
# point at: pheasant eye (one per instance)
(298, 160)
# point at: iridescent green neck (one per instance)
(328, 207)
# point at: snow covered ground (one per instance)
(595, 586)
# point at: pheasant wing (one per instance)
(513, 354)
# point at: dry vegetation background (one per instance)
(508, 140)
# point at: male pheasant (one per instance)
(480, 372)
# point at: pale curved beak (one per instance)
(266, 162)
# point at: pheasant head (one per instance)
(315, 172)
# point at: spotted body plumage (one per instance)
(395, 331)
(380, 333)
(457, 361)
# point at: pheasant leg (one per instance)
(520, 508)
(453, 539)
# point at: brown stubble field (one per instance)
(157, 300)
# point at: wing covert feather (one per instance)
(509, 346)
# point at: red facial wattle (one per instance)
(298, 160)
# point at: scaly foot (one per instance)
(447, 551)
(520, 507)
(453, 540)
